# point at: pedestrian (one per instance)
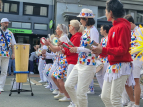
(7, 39)
(11, 63)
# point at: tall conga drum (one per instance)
(21, 61)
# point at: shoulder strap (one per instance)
(5, 39)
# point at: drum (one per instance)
(21, 61)
(99, 65)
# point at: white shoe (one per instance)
(141, 96)
(64, 99)
(47, 86)
(89, 92)
(135, 105)
(31, 72)
(60, 95)
(1, 90)
(130, 104)
(55, 92)
(125, 103)
(40, 81)
(72, 104)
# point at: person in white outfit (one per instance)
(84, 71)
(137, 64)
(41, 64)
(119, 70)
(7, 39)
(61, 72)
(48, 56)
(100, 75)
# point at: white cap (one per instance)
(4, 20)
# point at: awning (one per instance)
(70, 15)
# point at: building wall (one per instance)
(71, 7)
(32, 19)
(50, 2)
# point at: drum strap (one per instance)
(5, 39)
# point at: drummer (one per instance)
(31, 59)
(7, 39)
(100, 75)
(41, 62)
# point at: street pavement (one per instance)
(42, 97)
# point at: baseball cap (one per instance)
(4, 20)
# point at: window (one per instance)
(21, 25)
(9, 7)
(26, 25)
(35, 9)
(101, 13)
(40, 26)
(16, 24)
(140, 17)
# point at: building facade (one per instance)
(66, 10)
(29, 19)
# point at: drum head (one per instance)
(42, 40)
(55, 41)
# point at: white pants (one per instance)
(52, 83)
(46, 70)
(100, 75)
(125, 98)
(112, 92)
(70, 67)
(40, 68)
(83, 75)
(4, 61)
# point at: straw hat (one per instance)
(86, 13)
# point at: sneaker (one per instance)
(31, 72)
(130, 104)
(51, 90)
(47, 86)
(72, 104)
(89, 92)
(135, 105)
(141, 96)
(1, 90)
(64, 99)
(55, 92)
(125, 103)
(40, 81)
(60, 95)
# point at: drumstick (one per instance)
(94, 43)
(70, 43)
(88, 46)
(64, 45)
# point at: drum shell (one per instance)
(21, 61)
